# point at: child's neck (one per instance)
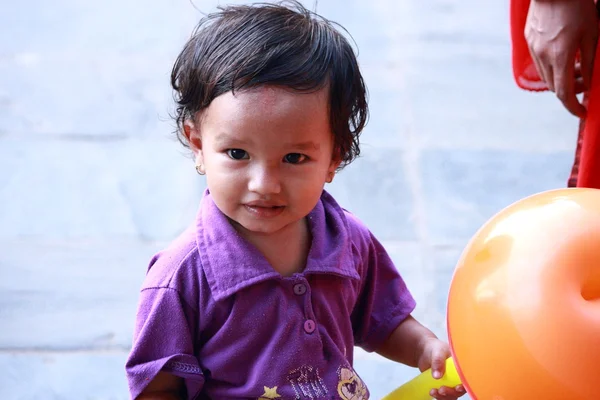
(286, 250)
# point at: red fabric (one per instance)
(586, 166)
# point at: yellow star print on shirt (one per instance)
(270, 393)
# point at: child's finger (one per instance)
(446, 393)
(438, 365)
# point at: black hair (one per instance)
(282, 44)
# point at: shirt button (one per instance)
(309, 326)
(299, 289)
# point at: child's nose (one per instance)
(265, 180)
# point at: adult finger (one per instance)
(543, 68)
(546, 68)
(538, 55)
(588, 50)
(564, 84)
(548, 72)
(580, 87)
(550, 79)
(568, 97)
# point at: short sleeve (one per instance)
(384, 300)
(163, 341)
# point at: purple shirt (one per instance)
(214, 312)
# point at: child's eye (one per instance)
(237, 154)
(294, 158)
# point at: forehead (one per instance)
(271, 106)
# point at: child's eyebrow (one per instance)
(306, 145)
(223, 138)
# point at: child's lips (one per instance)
(264, 210)
(264, 204)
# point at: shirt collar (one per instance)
(231, 263)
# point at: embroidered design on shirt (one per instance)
(183, 367)
(307, 383)
(350, 386)
(270, 393)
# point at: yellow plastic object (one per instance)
(418, 388)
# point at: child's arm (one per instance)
(413, 344)
(407, 343)
(164, 386)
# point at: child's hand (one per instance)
(434, 354)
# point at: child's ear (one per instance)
(331, 170)
(192, 134)
(335, 164)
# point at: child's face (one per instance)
(267, 153)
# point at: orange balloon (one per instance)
(524, 303)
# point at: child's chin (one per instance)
(262, 229)
(257, 227)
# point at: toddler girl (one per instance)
(269, 290)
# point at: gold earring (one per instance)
(200, 169)
(330, 177)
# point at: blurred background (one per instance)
(93, 183)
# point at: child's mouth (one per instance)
(264, 211)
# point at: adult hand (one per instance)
(556, 31)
